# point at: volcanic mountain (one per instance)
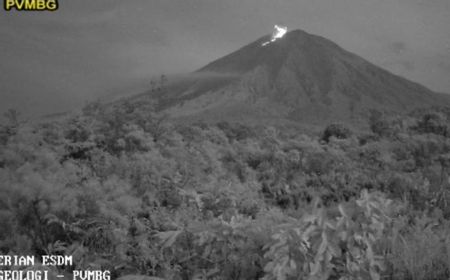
(299, 77)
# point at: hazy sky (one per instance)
(52, 61)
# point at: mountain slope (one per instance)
(299, 77)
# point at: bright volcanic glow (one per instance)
(278, 33)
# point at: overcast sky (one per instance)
(52, 61)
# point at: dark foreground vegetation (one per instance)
(122, 189)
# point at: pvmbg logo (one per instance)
(31, 5)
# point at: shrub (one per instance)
(336, 130)
(419, 250)
(435, 123)
(235, 131)
(379, 124)
(10, 128)
(342, 244)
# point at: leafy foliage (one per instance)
(122, 188)
(338, 131)
(322, 245)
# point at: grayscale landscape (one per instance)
(296, 153)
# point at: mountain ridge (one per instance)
(298, 77)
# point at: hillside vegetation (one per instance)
(124, 189)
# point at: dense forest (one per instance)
(123, 188)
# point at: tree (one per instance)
(378, 124)
(435, 123)
(163, 82)
(12, 116)
(336, 130)
(152, 85)
(11, 126)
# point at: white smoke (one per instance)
(278, 33)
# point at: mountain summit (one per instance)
(300, 76)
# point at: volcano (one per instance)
(298, 77)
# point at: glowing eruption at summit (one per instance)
(279, 32)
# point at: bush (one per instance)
(379, 124)
(435, 123)
(419, 249)
(342, 244)
(235, 131)
(336, 130)
(120, 190)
